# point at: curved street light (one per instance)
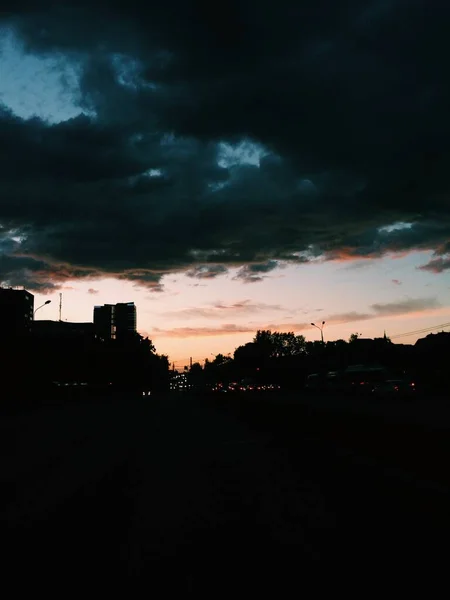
(320, 328)
(42, 305)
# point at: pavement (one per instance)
(178, 495)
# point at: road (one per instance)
(182, 496)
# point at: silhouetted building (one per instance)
(16, 312)
(115, 321)
(125, 320)
(63, 329)
(364, 342)
(434, 342)
(104, 322)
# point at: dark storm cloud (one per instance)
(347, 107)
(38, 275)
(437, 265)
(255, 272)
(206, 271)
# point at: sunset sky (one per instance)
(265, 166)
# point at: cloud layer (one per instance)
(247, 136)
(407, 306)
(220, 310)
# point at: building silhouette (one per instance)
(434, 342)
(104, 322)
(115, 321)
(63, 329)
(16, 312)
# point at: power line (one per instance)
(418, 331)
(424, 330)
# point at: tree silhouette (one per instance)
(250, 355)
(196, 374)
(279, 344)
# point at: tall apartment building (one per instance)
(115, 321)
(104, 322)
(16, 312)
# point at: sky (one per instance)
(262, 166)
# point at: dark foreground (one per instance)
(181, 495)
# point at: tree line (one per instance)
(287, 359)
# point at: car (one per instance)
(395, 388)
(315, 383)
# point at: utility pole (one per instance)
(60, 306)
(190, 362)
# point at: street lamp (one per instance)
(320, 328)
(46, 302)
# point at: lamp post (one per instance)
(46, 302)
(320, 328)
